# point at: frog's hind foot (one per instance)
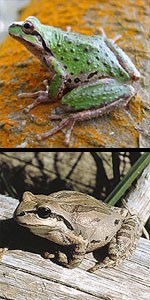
(106, 263)
(67, 122)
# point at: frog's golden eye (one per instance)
(28, 27)
(43, 212)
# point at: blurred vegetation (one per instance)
(46, 172)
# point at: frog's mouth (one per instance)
(37, 50)
(22, 219)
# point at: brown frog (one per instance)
(70, 218)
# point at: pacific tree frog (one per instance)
(89, 72)
(82, 223)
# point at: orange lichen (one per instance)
(20, 71)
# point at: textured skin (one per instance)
(81, 221)
(88, 72)
(76, 60)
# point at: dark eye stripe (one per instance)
(52, 215)
(43, 42)
(23, 213)
(60, 218)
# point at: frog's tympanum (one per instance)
(70, 218)
(89, 73)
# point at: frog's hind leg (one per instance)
(123, 244)
(104, 95)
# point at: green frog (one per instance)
(89, 73)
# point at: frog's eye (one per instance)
(44, 212)
(28, 27)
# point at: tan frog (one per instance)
(71, 218)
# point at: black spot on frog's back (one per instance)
(116, 222)
(76, 80)
(94, 242)
(92, 74)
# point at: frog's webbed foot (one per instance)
(106, 263)
(66, 122)
(40, 96)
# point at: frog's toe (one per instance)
(67, 122)
(40, 97)
(62, 258)
(48, 255)
(101, 31)
(106, 263)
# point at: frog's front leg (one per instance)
(76, 255)
(93, 99)
(40, 96)
(53, 92)
(122, 244)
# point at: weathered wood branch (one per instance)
(138, 199)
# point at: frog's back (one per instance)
(81, 54)
(90, 217)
